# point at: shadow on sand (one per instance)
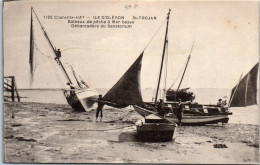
(133, 137)
(128, 137)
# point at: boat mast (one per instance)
(165, 42)
(185, 68)
(54, 50)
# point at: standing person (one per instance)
(160, 108)
(100, 107)
(179, 112)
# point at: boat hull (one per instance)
(82, 99)
(189, 119)
(155, 131)
(200, 120)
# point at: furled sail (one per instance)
(40, 49)
(127, 90)
(31, 58)
(246, 92)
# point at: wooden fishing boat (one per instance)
(188, 119)
(80, 97)
(155, 128)
(242, 95)
(187, 97)
(194, 114)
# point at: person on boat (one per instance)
(179, 113)
(224, 102)
(192, 96)
(72, 88)
(161, 108)
(219, 102)
(84, 83)
(100, 107)
(58, 55)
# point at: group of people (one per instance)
(178, 112)
(222, 102)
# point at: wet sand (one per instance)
(53, 133)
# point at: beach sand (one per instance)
(53, 133)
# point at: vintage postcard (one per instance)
(130, 82)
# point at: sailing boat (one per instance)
(194, 114)
(79, 96)
(127, 91)
(245, 92)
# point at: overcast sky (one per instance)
(225, 33)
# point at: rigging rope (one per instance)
(51, 46)
(159, 71)
(49, 57)
(154, 35)
(185, 67)
(56, 73)
(43, 30)
(177, 76)
(155, 86)
(41, 53)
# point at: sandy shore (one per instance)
(53, 133)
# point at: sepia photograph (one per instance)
(151, 82)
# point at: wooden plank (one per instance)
(12, 89)
(18, 97)
(8, 85)
(8, 76)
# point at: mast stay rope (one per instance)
(154, 35)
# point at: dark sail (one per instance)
(31, 58)
(127, 90)
(245, 94)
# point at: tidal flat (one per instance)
(54, 133)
